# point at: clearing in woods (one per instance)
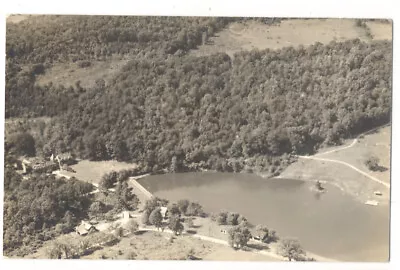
(92, 171)
(68, 74)
(245, 36)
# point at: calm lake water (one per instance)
(332, 225)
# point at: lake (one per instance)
(331, 224)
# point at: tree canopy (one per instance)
(291, 249)
(40, 208)
(217, 113)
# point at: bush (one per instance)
(83, 64)
(232, 219)
(133, 226)
(38, 69)
(22, 144)
(119, 232)
(291, 249)
(131, 255)
(194, 209)
(145, 217)
(222, 218)
(372, 163)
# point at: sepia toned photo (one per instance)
(197, 138)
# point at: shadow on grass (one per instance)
(91, 250)
(381, 169)
(257, 246)
(140, 232)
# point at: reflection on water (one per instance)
(330, 224)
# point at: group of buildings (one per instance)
(41, 165)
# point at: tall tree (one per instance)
(291, 249)
(155, 218)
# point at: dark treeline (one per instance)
(225, 115)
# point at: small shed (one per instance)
(85, 228)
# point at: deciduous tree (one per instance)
(291, 249)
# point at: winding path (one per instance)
(316, 157)
(216, 241)
(350, 166)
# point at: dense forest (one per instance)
(183, 112)
(39, 209)
(48, 39)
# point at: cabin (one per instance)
(37, 165)
(85, 228)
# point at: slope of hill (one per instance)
(169, 109)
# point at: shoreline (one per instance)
(217, 240)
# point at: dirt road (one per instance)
(354, 142)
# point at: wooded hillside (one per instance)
(177, 111)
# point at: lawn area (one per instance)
(151, 245)
(92, 171)
(374, 144)
(348, 180)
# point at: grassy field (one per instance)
(347, 179)
(236, 37)
(380, 31)
(68, 73)
(152, 245)
(375, 144)
(92, 171)
(15, 125)
(16, 18)
(159, 246)
(294, 32)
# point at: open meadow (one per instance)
(92, 171)
(376, 143)
(245, 36)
